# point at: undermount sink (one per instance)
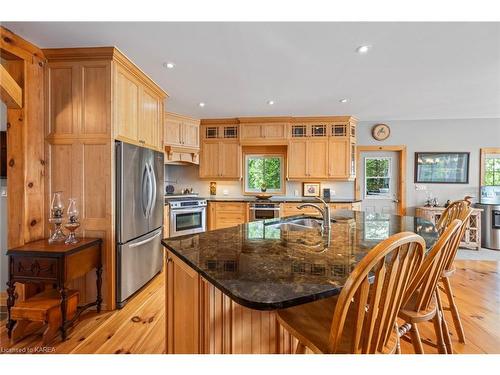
(300, 224)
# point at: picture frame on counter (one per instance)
(442, 167)
(311, 189)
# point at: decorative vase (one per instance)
(213, 188)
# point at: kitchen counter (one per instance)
(263, 267)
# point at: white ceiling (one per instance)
(413, 71)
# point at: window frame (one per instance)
(496, 172)
(282, 158)
(389, 194)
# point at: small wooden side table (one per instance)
(472, 235)
(57, 264)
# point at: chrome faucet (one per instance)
(325, 212)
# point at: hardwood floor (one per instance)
(140, 326)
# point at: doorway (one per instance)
(380, 179)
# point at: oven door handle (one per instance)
(189, 209)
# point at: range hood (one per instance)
(182, 155)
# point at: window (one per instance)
(264, 171)
(378, 177)
(492, 170)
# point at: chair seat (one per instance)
(409, 314)
(311, 323)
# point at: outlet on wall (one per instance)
(332, 192)
(296, 192)
(420, 187)
(225, 192)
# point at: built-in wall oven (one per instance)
(264, 210)
(187, 216)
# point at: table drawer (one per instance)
(35, 267)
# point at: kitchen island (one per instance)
(223, 286)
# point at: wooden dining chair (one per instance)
(454, 211)
(464, 215)
(422, 302)
(363, 317)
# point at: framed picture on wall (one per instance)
(311, 189)
(442, 167)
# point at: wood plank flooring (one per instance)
(140, 326)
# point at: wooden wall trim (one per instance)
(401, 149)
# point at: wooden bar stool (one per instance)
(457, 210)
(44, 307)
(422, 302)
(363, 317)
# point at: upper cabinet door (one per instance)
(127, 106)
(191, 134)
(317, 158)
(230, 158)
(274, 130)
(173, 129)
(340, 158)
(149, 129)
(297, 159)
(251, 131)
(209, 160)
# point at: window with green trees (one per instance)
(492, 171)
(264, 173)
(378, 177)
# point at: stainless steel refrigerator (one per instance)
(139, 218)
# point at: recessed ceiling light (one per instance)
(363, 49)
(344, 100)
(201, 104)
(270, 102)
(169, 65)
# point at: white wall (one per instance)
(467, 135)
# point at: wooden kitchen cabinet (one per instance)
(181, 131)
(291, 209)
(226, 214)
(138, 109)
(339, 156)
(256, 133)
(308, 158)
(95, 96)
(220, 159)
(183, 324)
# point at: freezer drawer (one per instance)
(138, 262)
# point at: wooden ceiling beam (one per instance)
(10, 92)
(18, 46)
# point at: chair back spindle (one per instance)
(374, 292)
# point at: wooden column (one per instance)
(24, 62)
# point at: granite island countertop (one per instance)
(263, 266)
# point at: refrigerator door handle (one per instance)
(145, 190)
(153, 186)
(150, 191)
(140, 243)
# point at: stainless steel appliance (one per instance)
(264, 210)
(490, 217)
(139, 218)
(187, 215)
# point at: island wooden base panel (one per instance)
(140, 326)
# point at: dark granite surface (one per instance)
(277, 199)
(262, 266)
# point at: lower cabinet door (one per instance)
(183, 324)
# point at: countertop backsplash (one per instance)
(181, 177)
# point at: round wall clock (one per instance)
(381, 132)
